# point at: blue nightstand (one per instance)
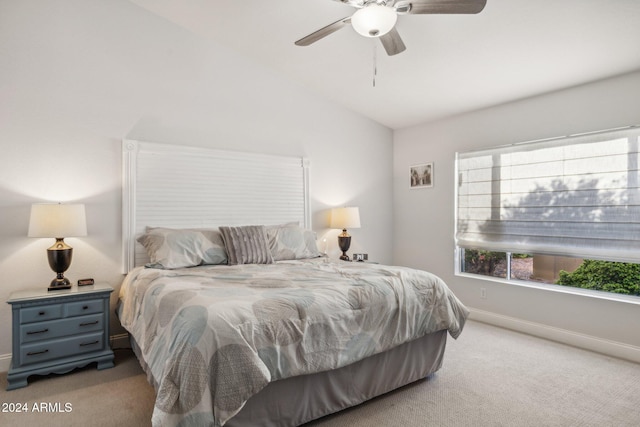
(57, 331)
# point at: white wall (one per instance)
(77, 76)
(424, 219)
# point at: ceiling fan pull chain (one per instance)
(375, 64)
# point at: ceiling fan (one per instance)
(377, 18)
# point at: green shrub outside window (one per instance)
(608, 276)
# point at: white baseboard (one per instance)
(5, 362)
(587, 342)
(117, 341)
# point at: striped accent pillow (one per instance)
(246, 245)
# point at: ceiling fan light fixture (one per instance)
(374, 20)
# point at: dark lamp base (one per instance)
(59, 256)
(344, 242)
(57, 284)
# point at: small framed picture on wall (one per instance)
(422, 175)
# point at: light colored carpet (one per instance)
(490, 377)
(120, 396)
(495, 377)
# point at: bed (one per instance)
(242, 325)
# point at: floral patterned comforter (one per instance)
(213, 336)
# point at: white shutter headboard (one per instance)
(188, 187)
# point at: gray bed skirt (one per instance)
(297, 400)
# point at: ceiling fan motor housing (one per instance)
(374, 20)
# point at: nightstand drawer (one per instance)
(37, 314)
(83, 307)
(54, 349)
(59, 328)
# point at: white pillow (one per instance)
(290, 241)
(176, 248)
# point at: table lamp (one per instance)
(58, 221)
(344, 218)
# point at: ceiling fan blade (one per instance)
(445, 6)
(392, 42)
(354, 3)
(323, 32)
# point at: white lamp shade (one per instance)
(344, 218)
(374, 20)
(57, 220)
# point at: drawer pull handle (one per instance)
(33, 353)
(89, 323)
(84, 344)
(85, 307)
(42, 313)
(38, 332)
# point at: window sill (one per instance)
(629, 299)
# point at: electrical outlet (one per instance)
(483, 293)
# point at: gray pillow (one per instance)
(177, 248)
(290, 241)
(246, 245)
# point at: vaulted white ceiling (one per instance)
(513, 49)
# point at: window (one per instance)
(529, 211)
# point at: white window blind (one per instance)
(575, 196)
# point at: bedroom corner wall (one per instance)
(424, 219)
(78, 76)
